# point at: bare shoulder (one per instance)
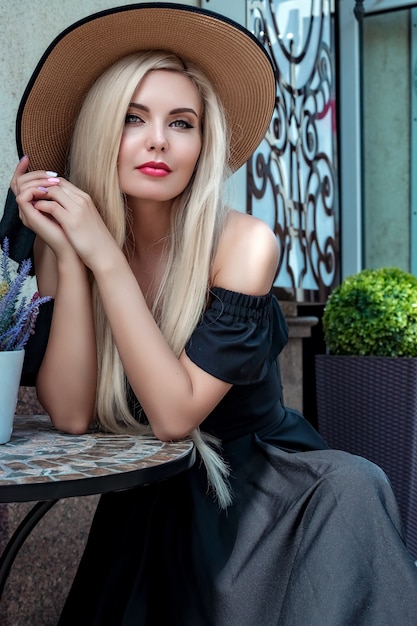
(247, 256)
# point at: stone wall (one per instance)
(291, 358)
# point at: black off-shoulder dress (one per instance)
(313, 537)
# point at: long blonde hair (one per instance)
(197, 221)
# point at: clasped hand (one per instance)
(62, 215)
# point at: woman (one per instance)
(163, 318)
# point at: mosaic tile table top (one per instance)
(40, 462)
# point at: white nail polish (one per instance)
(48, 173)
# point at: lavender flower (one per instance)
(17, 314)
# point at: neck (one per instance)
(150, 227)
(151, 222)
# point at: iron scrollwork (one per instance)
(292, 177)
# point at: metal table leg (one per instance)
(19, 536)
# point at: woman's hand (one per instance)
(61, 214)
(29, 189)
(77, 216)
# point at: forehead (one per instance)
(166, 85)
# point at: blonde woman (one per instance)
(164, 319)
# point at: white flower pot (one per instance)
(11, 364)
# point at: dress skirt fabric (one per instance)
(313, 538)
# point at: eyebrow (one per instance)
(142, 107)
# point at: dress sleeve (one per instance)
(239, 336)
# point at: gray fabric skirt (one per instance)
(312, 539)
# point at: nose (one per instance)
(156, 140)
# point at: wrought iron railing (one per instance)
(292, 177)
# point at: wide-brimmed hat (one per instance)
(230, 56)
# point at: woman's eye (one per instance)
(181, 124)
(132, 118)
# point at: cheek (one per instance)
(123, 148)
(194, 156)
(122, 160)
(124, 157)
(129, 143)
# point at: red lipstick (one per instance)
(154, 168)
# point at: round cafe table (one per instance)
(42, 464)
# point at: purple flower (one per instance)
(17, 314)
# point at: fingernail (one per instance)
(50, 173)
(24, 156)
(53, 180)
(43, 188)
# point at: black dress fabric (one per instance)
(20, 238)
(313, 537)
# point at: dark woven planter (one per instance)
(368, 406)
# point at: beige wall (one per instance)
(28, 27)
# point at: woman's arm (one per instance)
(66, 382)
(67, 379)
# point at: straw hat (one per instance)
(230, 56)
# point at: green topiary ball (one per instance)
(373, 313)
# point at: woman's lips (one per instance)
(154, 168)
